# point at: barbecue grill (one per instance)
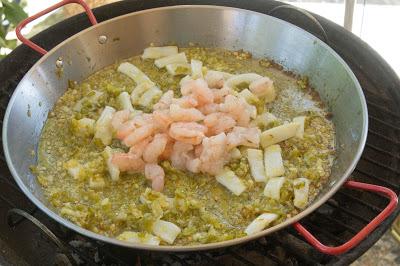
(28, 235)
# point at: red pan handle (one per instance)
(23, 23)
(365, 231)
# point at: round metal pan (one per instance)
(210, 26)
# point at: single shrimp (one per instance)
(249, 137)
(156, 174)
(162, 119)
(139, 134)
(186, 102)
(187, 132)
(127, 162)
(263, 87)
(168, 149)
(138, 148)
(208, 108)
(119, 118)
(218, 123)
(213, 154)
(237, 108)
(178, 113)
(125, 129)
(155, 148)
(219, 94)
(180, 155)
(193, 165)
(215, 79)
(201, 92)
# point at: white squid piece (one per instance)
(197, 68)
(301, 188)
(134, 73)
(273, 161)
(171, 59)
(260, 223)
(300, 131)
(228, 179)
(278, 134)
(167, 231)
(273, 187)
(124, 101)
(113, 170)
(158, 52)
(256, 162)
(103, 128)
(242, 78)
(142, 238)
(176, 69)
(150, 97)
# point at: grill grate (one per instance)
(333, 223)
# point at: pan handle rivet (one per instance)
(59, 63)
(102, 39)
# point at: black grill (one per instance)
(333, 223)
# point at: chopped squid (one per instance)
(171, 59)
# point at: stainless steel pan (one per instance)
(122, 37)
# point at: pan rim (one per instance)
(310, 208)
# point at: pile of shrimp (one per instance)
(196, 132)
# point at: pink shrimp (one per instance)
(119, 118)
(199, 89)
(249, 137)
(168, 149)
(208, 108)
(125, 129)
(187, 132)
(263, 87)
(162, 119)
(127, 162)
(155, 148)
(193, 164)
(186, 102)
(214, 79)
(218, 123)
(213, 154)
(138, 148)
(139, 134)
(178, 113)
(180, 155)
(237, 108)
(219, 94)
(156, 174)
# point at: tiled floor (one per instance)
(386, 252)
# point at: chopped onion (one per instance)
(273, 188)
(103, 129)
(273, 161)
(125, 101)
(228, 179)
(176, 69)
(300, 131)
(112, 169)
(197, 68)
(167, 231)
(259, 224)
(301, 188)
(264, 119)
(278, 134)
(235, 154)
(255, 158)
(158, 52)
(142, 238)
(134, 73)
(171, 59)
